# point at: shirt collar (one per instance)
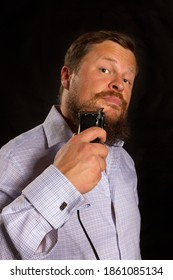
(119, 143)
(56, 128)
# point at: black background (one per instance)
(34, 36)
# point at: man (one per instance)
(63, 196)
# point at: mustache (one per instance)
(103, 94)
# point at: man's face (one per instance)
(104, 80)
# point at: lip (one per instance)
(113, 100)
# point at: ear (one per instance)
(65, 77)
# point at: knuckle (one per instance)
(93, 160)
(87, 148)
(103, 165)
(95, 166)
(105, 149)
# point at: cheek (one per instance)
(87, 85)
(85, 89)
(127, 96)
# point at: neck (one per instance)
(68, 121)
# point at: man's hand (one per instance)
(81, 161)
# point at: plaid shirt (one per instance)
(39, 205)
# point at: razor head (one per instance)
(91, 118)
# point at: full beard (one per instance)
(116, 129)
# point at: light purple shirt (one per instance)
(39, 205)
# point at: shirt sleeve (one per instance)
(43, 207)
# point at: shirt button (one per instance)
(63, 206)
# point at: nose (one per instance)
(117, 85)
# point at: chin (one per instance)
(112, 114)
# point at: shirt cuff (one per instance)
(53, 195)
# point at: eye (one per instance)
(104, 70)
(126, 81)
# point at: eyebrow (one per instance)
(115, 61)
(109, 59)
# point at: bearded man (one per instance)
(64, 196)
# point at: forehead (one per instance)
(111, 51)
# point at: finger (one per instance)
(102, 164)
(92, 133)
(101, 150)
